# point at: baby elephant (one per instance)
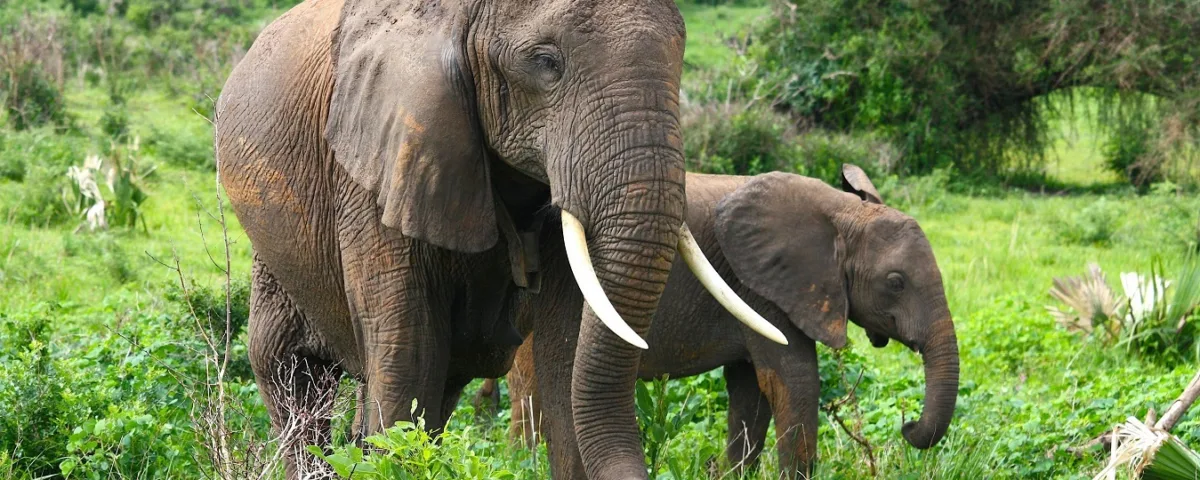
(807, 256)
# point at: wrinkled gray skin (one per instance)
(390, 160)
(805, 255)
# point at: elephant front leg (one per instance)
(749, 417)
(789, 379)
(402, 327)
(406, 360)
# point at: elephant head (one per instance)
(824, 256)
(431, 98)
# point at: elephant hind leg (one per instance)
(525, 426)
(298, 388)
(749, 417)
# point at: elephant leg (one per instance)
(451, 394)
(298, 388)
(749, 416)
(790, 381)
(487, 399)
(554, 355)
(399, 303)
(526, 424)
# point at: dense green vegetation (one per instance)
(106, 365)
(962, 84)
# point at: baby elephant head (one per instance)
(824, 256)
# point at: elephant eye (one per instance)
(547, 61)
(549, 65)
(895, 282)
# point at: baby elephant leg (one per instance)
(526, 425)
(487, 399)
(790, 381)
(749, 417)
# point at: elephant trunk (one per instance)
(632, 239)
(941, 386)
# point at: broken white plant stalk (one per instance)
(1151, 451)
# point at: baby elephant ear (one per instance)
(854, 180)
(402, 121)
(784, 247)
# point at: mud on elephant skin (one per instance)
(810, 257)
(389, 161)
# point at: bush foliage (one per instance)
(959, 84)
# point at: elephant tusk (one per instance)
(712, 281)
(589, 284)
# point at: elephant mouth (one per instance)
(589, 284)
(878, 340)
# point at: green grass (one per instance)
(57, 265)
(710, 29)
(1076, 156)
(92, 333)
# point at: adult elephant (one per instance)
(389, 160)
(807, 255)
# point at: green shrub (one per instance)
(209, 307)
(150, 14)
(109, 391)
(918, 194)
(1162, 319)
(188, 145)
(1096, 224)
(734, 139)
(821, 154)
(662, 413)
(407, 450)
(41, 406)
(962, 86)
(1125, 152)
(37, 160)
(31, 98)
(115, 122)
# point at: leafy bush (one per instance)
(407, 450)
(38, 160)
(1095, 224)
(821, 154)
(94, 404)
(31, 68)
(960, 85)
(1162, 318)
(662, 413)
(188, 145)
(209, 307)
(734, 139)
(31, 98)
(1125, 152)
(919, 193)
(38, 394)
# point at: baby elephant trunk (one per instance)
(941, 387)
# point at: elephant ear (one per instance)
(784, 247)
(402, 121)
(854, 180)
